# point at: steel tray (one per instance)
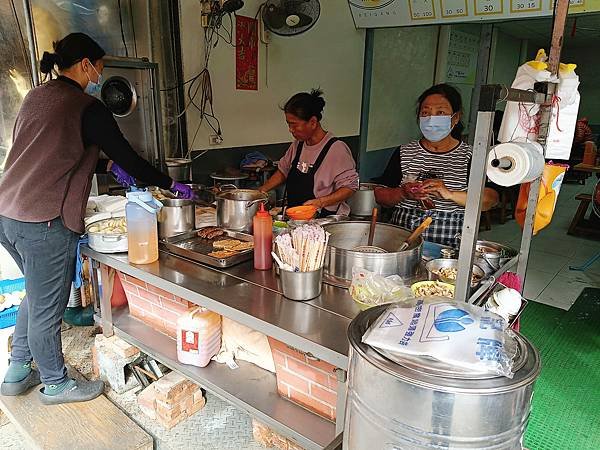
(191, 246)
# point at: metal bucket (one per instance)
(179, 169)
(176, 216)
(418, 403)
(363, 201)
(347, 236)
(237, 208)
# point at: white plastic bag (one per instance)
(372, 289)
(453, 332)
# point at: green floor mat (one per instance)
(566, 402)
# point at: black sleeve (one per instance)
(101, 128)
(102, 166)
(392, 175)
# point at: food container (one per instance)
(346, 236)
(331, 219)
(237, 208)
(180, 169)
(490, 256)
(176, 216)
(448, 407)
(302, 212)
(363, 201)
(301, 286)
(441, 263)
(424, 284)
(106, 242)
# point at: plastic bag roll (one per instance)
(514, 163)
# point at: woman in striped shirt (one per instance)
(432, 173)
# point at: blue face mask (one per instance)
(435, 128)
(93, 88)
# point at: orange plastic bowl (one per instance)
(302, 212)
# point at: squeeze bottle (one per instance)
(263, 239)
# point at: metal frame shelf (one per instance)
(250, 388)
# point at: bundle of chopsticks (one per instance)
(302, 250)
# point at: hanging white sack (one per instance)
(520, 122)
(564, 114)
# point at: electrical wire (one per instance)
(133, 29)
(122, 30)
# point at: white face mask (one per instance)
(93, 88)
(435, 128)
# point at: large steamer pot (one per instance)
(491, 256)
(175, 217)
(417, 403)
(346, 236)
(363, 201)
(237, 208)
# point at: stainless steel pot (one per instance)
(417, 403)
(176, 216)
(490, 256)
(435, 265)
(363, 200)
(237, 208)
(179, 168)
(346, 236)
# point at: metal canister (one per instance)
(405, 402)
(447, 253)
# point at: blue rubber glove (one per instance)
(182, 191)
(122, 177)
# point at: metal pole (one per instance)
(31, 38)
(483, 66)
(560, 18)
(483, 131)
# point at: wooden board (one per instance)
(94, 425)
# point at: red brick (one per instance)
(283, 389)
(130, 288)
(196, 406)
(198, 396)
(139, 302)
(182, 301)
(324, 366)
(279, 359)
(147, 401)
(293, 380)
(165, 314)
(137, 282)
(122, 348)
(170, 329)
(160, 292)
(285, 349)
(325, 395)
(153, 298)
(172, 305)
(136, 311)
(308, 372)
(313, 404)
(333, 383)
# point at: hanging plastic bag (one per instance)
(370, 289)
(565, 108)
(455, 333)
(552, 179)
(520, 122)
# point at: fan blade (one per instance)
(298, 20)
(274, 17)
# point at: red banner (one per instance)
(246, 53)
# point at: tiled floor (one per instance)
(549, 279)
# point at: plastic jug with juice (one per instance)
(142, 226)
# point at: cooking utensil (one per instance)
(415, 234)
(236, 208)
(370, 248)
(346, 236)
(301, 286)
(305, 212)
(179, 169)
(363, 200)
(176, 216)
(490, 256)
(107, 243)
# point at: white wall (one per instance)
(330, 56)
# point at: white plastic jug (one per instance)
(198, 337)
(142, 226)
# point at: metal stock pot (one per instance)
(237, 208)
(363, 201)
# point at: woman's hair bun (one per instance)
(47, 62)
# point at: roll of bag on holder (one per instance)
(514, 163)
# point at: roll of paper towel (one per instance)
(514, 163)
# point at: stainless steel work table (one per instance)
(252, 298)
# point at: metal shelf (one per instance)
(250, 388)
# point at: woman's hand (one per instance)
(316, 202)
(413, 190)
(389, 196)
(437, 189)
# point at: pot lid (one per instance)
(428, 372)
(242, 195)
(228, 177)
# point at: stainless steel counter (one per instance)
(253, 298)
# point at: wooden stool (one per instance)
(579, 217)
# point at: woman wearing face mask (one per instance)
(58, 135)
(318, 169)
(429, 177)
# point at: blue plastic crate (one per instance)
(8, 317)
(8, 286)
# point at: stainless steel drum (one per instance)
(175, 217)
(363, 201)
(418, 403)
(347, 236)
